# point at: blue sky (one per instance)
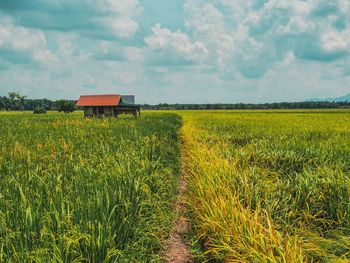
(185, 51)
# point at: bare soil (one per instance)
(177, 250)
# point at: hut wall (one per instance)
(108, 111)
(88, 111)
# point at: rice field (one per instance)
(262, 186)
(82, 190)
(268, 186)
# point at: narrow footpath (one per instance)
(177, 250)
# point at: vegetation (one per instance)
(269, 186)
(81, 190)
(65, 106)
(39, 110)
(22, 103)
(17, 102)
(263, 186)
(250, 106)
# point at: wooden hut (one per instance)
(110, 105)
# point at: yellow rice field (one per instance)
(269, 186)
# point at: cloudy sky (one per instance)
(186, 51)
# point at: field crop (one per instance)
(269, 186)
(262, 186)
(82, 190)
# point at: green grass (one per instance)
(81, 190)
(263, 186)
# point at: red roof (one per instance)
(99, 100)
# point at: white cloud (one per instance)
(65, 46)
(18, 37)
(124, 7)
(44, 56)
(334, 41)
(176, 43)
(26, 41)
(296, 25)
(4, 34)
(123, 26)
(203, 18)
(134, 54)
(122, 20)
(238, 9)
(290, 58)
(126, 77)
(174, 79)
(344, 6)
(207, 24)
(295, 6)
(160, 70)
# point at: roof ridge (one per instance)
(100, 95)
(99, 100)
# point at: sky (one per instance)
(176, 51)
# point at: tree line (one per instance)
(17, 102)
(250, 106)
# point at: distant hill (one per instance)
(345, 98)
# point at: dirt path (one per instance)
(177, 250)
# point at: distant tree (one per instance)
(17, 100)
(13, 95)
(22, 99)
(3, 103)
(65, 106)
(13, 105)
(39, 110)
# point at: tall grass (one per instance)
(269, 186)
(80, 190)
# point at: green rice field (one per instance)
(83, 190)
